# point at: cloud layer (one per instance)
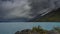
(14, 9)
(11, 9)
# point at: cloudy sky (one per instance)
(28, 9)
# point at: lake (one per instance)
(12, 27)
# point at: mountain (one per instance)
(53, 16)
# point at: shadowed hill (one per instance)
(53, 16)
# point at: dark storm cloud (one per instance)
(44, 6)
(38, 5)
(6, 0)
(17, 9)
(22, 8)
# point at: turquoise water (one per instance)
(11, 28)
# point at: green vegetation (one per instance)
(57, 29)
(39, 30)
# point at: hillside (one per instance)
(53, 16)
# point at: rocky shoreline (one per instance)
(39, 30)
